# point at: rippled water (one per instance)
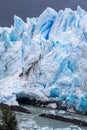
(34, 122)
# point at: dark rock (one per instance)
(65, 119)
(14, 108)
(34, 102)
(44, 104)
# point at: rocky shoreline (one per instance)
(48, 104)
(65, 119)
(50, 116)
(14, 108)
(45, 104)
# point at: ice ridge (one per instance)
(46, 58)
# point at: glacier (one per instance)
(45, 58)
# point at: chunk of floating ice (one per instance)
(61, 112)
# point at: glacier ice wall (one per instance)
(46, 58)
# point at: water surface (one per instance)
(34, 122)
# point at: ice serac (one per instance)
(19, 28)
(46, 58)
(45, 22)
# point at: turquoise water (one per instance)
(34, 122)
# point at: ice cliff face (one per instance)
(46, 58)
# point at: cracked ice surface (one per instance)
(50, 55)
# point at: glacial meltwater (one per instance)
(34, 122)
